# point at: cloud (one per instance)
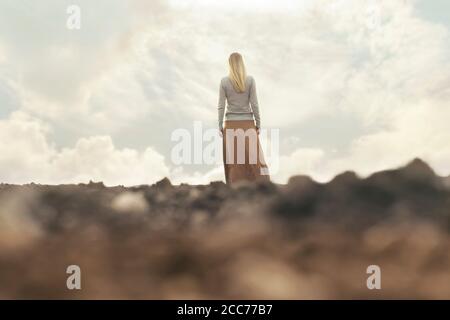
(2, 55)
(96, 158)
(56, 69)
(301, 161)
(137, 70)
(250, 5)
(27, 156)
(181, 175)
(417, 133)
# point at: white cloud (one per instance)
(251, 5)
(96, 158)
(28, 157)
(56, 70)
(179, 175)
(139, 69)
(2, 54)
(417, 133)
(305, 161)
(25, 152)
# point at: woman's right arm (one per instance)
(221, 105)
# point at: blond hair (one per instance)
(237, 72)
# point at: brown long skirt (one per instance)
(242, 154)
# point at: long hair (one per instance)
(237, 72)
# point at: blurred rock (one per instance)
(302, 240)
(133, 202)
(164, 184)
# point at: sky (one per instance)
(359, 85)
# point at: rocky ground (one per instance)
(303, 240)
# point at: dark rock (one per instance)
(93, 184)
(163, 184)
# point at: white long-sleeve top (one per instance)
(240, 106)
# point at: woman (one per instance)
(242, 154)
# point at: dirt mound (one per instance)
(295, 241)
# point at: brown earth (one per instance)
(303, 240)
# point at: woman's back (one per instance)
(240, 105)
(238, 102)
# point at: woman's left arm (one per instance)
(254, 103)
